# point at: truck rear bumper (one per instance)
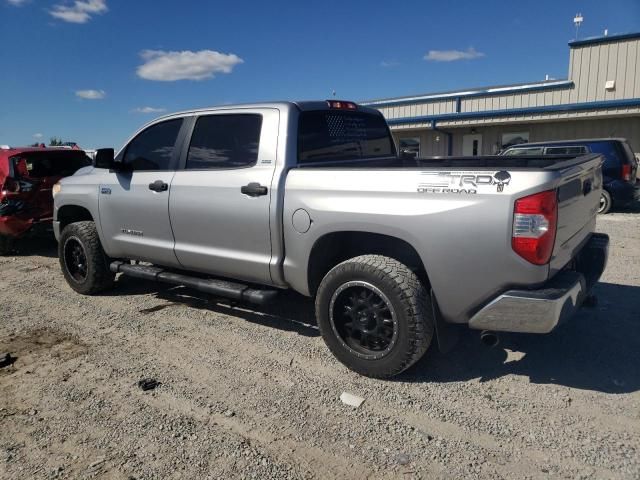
(541, 310)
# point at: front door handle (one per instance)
(254, 189)
(158, 186)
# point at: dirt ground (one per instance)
(249, 393)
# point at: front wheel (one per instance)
(82, 259)
(605, 202)
(374, 315)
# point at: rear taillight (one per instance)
(626, 172)
(535, 219)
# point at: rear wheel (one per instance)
(605, 202)
(374, 315)
(84, 264)
(6, 245)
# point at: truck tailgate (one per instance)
(578, 199)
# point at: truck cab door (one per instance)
(220, 198)
(134, 201)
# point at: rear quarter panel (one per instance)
(464, 240)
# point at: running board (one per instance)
(222, 288)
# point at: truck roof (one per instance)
(15, 150)
(303, 105)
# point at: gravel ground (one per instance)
(251, 393)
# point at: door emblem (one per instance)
(135, 233)
(105, 190)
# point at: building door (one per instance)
(472, 145)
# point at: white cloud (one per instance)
(452, 55)
(37, 135)
(17, 3)
(186, 65)
(81, 11)
(91, 94)
(390, 64)
(148, 110)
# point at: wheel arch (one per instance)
(335, 247)
(68, 214)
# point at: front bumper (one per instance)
(56, 230)
(541, 310)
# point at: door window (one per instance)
(524, 151)
(225, 141)
(153, 148)
(571, 150)
(611, 155)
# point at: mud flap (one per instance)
(446, 333)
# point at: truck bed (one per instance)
(464, 237)
(548, 162)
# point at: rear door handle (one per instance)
(254, 189)
(158, 186)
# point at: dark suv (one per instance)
(27, 176)
(619, 169)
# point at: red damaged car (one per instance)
(27, 176)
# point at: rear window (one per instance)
(609, 152)
(49, 164)
(327, 135)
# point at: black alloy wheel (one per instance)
(75, 259)
(363, 319)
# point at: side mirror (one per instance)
(104, 158)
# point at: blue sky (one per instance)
(93, 71)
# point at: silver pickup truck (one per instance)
(244, 201)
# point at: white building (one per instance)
(599, 98)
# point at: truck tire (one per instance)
(605, 203)
(374, 315)
(6, 245)
(84, 264)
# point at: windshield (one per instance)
(330, 135)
